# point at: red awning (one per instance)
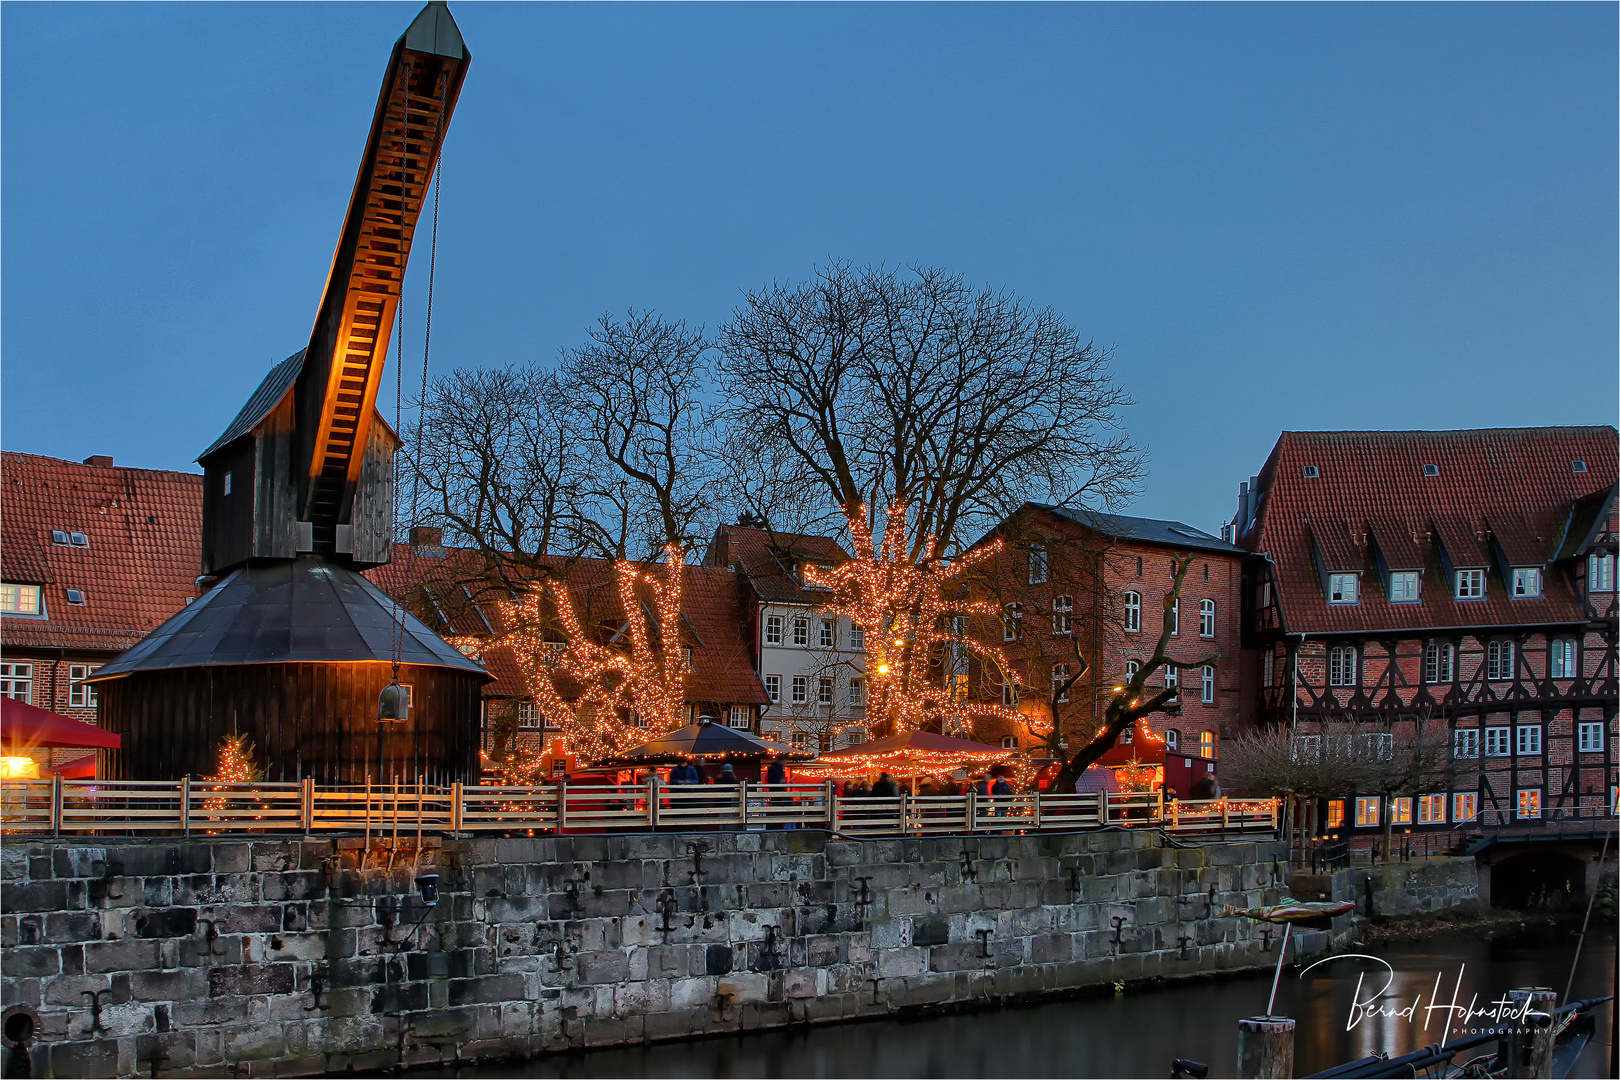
(24, 726)
(79, 768)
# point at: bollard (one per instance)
(1265, 1048)
(1530, 1041)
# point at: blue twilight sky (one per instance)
(1279, 217)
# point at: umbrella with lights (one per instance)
(911, 755)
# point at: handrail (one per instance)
(192, 807)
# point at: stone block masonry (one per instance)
(205, 956)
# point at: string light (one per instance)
(236, 766)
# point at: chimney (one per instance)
(427, 541)
(99, 461)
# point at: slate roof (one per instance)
(260, 403)
(1502, 497)
(456, 593)
(141, 564)
(769, 560)
(1173, 534)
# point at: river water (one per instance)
(1138, 1032)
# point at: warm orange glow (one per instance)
(19, 768)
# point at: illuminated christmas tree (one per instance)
(236, 766)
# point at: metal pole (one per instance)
(832, 806)
(742, 803)
(1282, 957)
(652, 800)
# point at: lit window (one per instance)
(857, 693)
(1206, 618)
(1437, 662)
(773, 688)
(1037, 564)
(801, 689)
(1400, 810)
(1009, 742)
(75, 597)
(1464, 806)
(957, 685)
(1499, 660)
(741, 717)
(19, 599)
(773, 629)
(1526, 581)
(1431, 809)
(1133, 612)
(1470, 585)
(829, 633)
(824, 690)
(1171, 738)
(857, 637)
(1342, 665)
(1206, 745)
(1343, 588)
(81, 695)
(1062, 614)
(1600, 572)
(1465, 743)
(17, 681)
(1591, 738)
(1529, 802)
(1496, 742)
(1009, 621)
(1207, 685)
(1366, 810)
(1529, 739)
(799, 740)
(1561, 658)
(801, 630)
(1335, 814)
(1060, 675)
(1174, 616)
(1403, 587)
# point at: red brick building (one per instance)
(1460, 576)
(1078, 582)
(92, 556)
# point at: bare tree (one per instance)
(1413, 758)
(958, 402)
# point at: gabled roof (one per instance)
(1170, 534)
(769, 560)
(275, 386)
(1492, 498)
(139, 567)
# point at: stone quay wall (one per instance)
(300, 957)
(1397, 889)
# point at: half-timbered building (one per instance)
(1456, 577)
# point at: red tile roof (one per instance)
(770, 560)
(455, 597)
(141, 564)
(1511, 490)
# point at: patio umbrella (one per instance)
(913, 754)
(701, 740)
(24, 726)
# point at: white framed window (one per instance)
(857, 637)
(1403, 587)
(1335, 813)
(1367, 807)
(17, 681)
(742, 717)
(773, 629)
(1174, 616)
(1529, 739)
(1206, 618)
(1431, 809)
(18, 599)
(1207, 685)
(528, 714)
(59, 537)
(1400, 810)
(1010, 616)
(1526, 581)
(1437, 662)
(1381, 745)
(829, 633)
(1171, 738)
(1499, 660)
(1344, 588)
(226, 487)
(773, 688)
(1038, 567)
(1470, 585)
(1060, 675)
(1306, 748)
(1561, 658)
(1590, 736)
(1009, 691)
(798, 740)
(1172, 681)
(1600, 572)
(81, 695)
(686, 657)
(824, 690)
(1133, 612)
(801, 689)
(1062, 614)
(1342, 665)
(1207, 743)
(1465, 743)
(801, 630)
(1529, 802)
(1009, 742)
(1464, 806)
(1131, 668)
(1496, 742)
(857, 693)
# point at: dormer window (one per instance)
(1431, 470)
(1470, 585)
(1403, 586)
(1526, 581)
(1344, 588)
(20, 600)
(1311, 472)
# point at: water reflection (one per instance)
(1129, 1035)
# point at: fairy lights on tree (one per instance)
(915, 614)
(630, 679)
(236, 766)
